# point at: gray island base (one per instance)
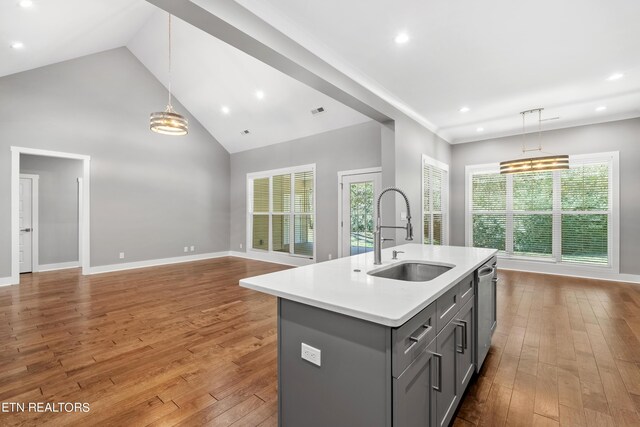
(338, 369)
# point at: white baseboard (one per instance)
(565, 270)
(6, 281)
(58, 266)
(274, 258)
(155, 262)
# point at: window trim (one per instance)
(566, 267)
(249, 210)
(427, 160)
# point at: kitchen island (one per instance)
(357, 347)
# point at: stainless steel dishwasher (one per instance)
(486, 279)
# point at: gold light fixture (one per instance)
(168, 122)
(534, 164)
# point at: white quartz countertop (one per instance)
(336, 286)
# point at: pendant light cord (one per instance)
(169, 105)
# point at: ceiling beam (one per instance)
(233, 24)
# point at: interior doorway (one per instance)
(358, 192)
(26, 222)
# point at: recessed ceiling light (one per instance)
(259, 94)
(480, 130)
(464, 109)
(225, 109)
(601, 108)
(17, 45)
(25, 3)
(402, 38)
(615, 76)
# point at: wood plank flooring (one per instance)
(566, 352)
(185, 345)
(175, 345)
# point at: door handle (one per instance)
(439, 386)
(26, 230)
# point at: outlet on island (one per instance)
(311, 354)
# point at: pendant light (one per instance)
(168, 122)
(534, 164)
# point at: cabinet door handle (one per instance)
(462, 324)
(464, 334)
(419, 338)
(439, 386)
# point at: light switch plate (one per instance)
(311, 354)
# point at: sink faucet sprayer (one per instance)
(377, 235)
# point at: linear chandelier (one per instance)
(168, 122)
(534, 164)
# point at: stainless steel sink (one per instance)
(412, 271)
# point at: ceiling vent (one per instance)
(317, 110)
(245, 132)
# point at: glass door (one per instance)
(357, 224)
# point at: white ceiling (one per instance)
(56, 30)
(498, 57)
(208, 74)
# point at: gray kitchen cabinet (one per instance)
(446, 387)
(465, 321)
(413, 394)
(374, 375)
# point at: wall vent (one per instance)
(317, 110)
(245, 132)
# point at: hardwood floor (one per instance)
(174, 345)
(185, 345)
(566, 352)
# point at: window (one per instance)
(435, 202)
(281, 211)
(563, 216)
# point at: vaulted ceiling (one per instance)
(496, 58)
(207, 75)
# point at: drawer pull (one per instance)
(419, 338)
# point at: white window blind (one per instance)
(435, 201)
(281, 211)
(562, 216)
(585, 213)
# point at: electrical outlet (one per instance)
(310, 354)
(403, 216)
(330, 256)
(121, 255)
(240, 245)
(186, 249)
(193, 248)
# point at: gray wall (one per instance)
(57, 206)
(622, 136)
(411, 142)
(151, 194)
(353, 147)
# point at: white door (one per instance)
(358, 221)
(26, 225)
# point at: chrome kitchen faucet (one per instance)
(377, 235)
